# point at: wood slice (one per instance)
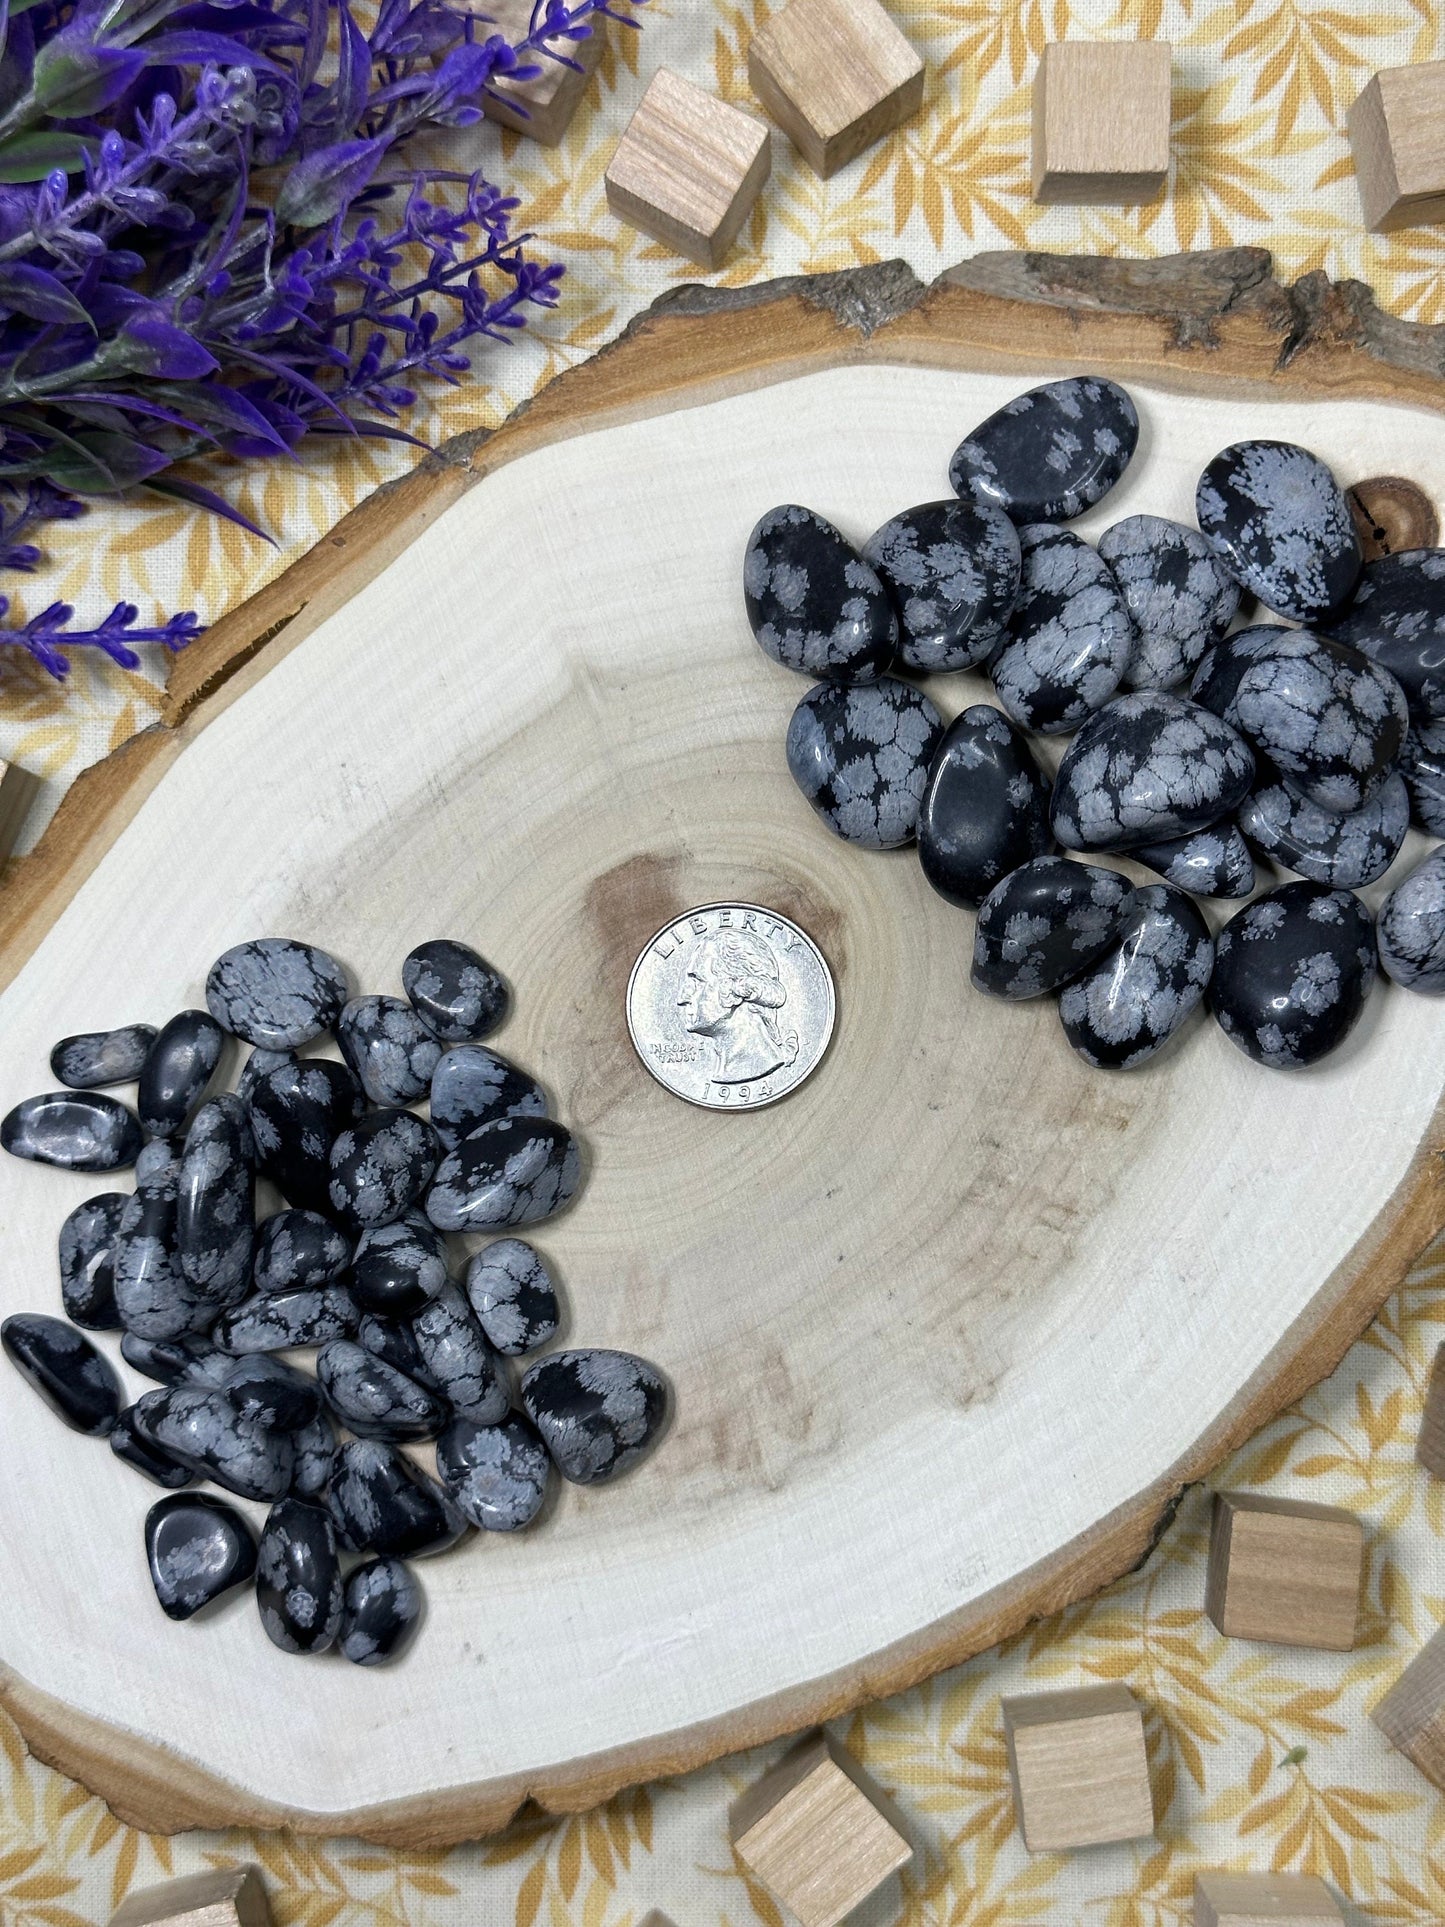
(951, 1327)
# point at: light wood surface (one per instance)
(1397, 136)
(1264, 1900)
(836, 75)
(688, 168)
(227, 1897)
(18, 788)
(553, 96)
(1285, 1570)
(1080, 1768)
(1412, 1714)
(817, 1833)
(646, 754)
(1430, 1446)
(1101, 113)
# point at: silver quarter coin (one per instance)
(731, 1006)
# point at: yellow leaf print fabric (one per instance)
(1262, 1757)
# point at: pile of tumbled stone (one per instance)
(356, 1266)
(1204, 747)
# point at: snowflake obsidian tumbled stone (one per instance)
(951, 570)
(87, 1261)
(275, 1321)
(203, 1428)
(298, 1250)
(516, 1171)
(861, 758)
(1069, 635)
(98, 1057)
(1051, 453)
(497, 1474)
(380, 1501)
(456, 993)
(1147, 767)
(598, 1411)
(1211, 863)
(472, 1377)
(985, 809)
(197, 1548)
(1292, 971)
(1343, 848)
(76, 1382)
(298, 1577)
(814, 604)
(1411, 929)
(1180, 596)
(141, 1456)
(389, 1047)
(372, 1398)
(81, 1131)
(215, 1201)
(297, 1111)
(1142, 990)
(1044, 924)
(380, 1612)
(472, 1086)
(153, 1296)
(1397, 619)
(1422, 764)
(275, 992)
(398, 1268)
(177, 1069)
(379, 1166)
(512, 1293)
(1282, 522)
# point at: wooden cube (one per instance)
(1430, 1446)
(1397, 136)
(836, 75)
(817, 1833)
(1101, 122)
(1079, 1766)
(688, 168)
(555, 95)
(17, 792)
(1412, 1714)
(1264, 1900)
(230, 1897)
(1284, 1571)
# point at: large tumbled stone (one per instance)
(1051, 453)
(813, 602)
(861, 757)
(1281, 521)
(275, 992)
(1148, 767)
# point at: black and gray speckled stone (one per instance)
(143, 1457)
(516, 1171)
(985, 809)
(178, 1067)
(1140, 993)
(1292, 971)
(598, 1412)
(99, 1057)
(951, 570)
(80, 1131)
(512, 1293)
(456, 993)
(1221, 668)
(497, 1474)
(1069, 637)
(1397, 619)
(1281, 521)
(389, 1047)
(399, 1268)
(315, 1454)
(1179, 595)
(1051, 453)
(1422, 764)
(175, 1361)
(298, 1577)
(275, 992)
(75, 1380)
(1411, 928)
(297, 1111)
(298, 1251)
(381, 1607)
(257, 1064)
(461, 1363)
(201, 1427)
(87, 1261)
(1341, 848)
(382, 1501)
(272, 1392)
(197, 1548)
(380, 1166)
(861, 758)
(277, 1320)
(1044, 924)
(1147, 768)
(393, 1340)
(813, 602)
(153, 1296)
(215, 1201)
(472, 1086)
(1211, 863)
(373, 1399)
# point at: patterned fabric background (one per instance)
(1262, 1757)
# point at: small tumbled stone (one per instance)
(1342, 848)
(1411, 928)
(461, 1363)
(456, 993)
(1422, 764)
(276, 993)
(516, 1171)
(398, 1268)
(153, 1296)
(271, 1391)
(598, 1412)
(1069, 637)
(1145, 768)
(1397, 619)
(278, 1320)
(393, 1340)
(143, 1457)
(202, 1427)
(1211, 863)
(79, 1132)
(813, 602)
(512, 1293)
(381, 1165)
(197, 1548)
(256, 1067)
(75, 1380)
(298, 1577)
(1051, 453)
(1292, 971)
(1142, 990)
(177, 1070)
(315, 1455)
(951, 570)
(1044, 924)
(380, 1501)
(373, 1399)
(215, 1201)
(99, 1057)
(389, 1047)
(497, 1474)
(87, 1261)
(1282, 522)
(861, 757)
(985, 809)
(1179, 595)
(298, 1251)
(472, 1086)
(380, 1612)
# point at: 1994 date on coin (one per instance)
(731, 1006)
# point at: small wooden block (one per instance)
(1397, 136)
(817, 1833)
(1101, 122)
(1264, 1899)
(230, 1897)
(688, 168)
(836, 75)
(17, 792)
(1391, 514)
(1080, 1768)
(554, 96)
(1285, 1571)
(1412, 1714)
(1430, 1446)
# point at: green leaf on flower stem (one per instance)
(32, 155)
(71, 80)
